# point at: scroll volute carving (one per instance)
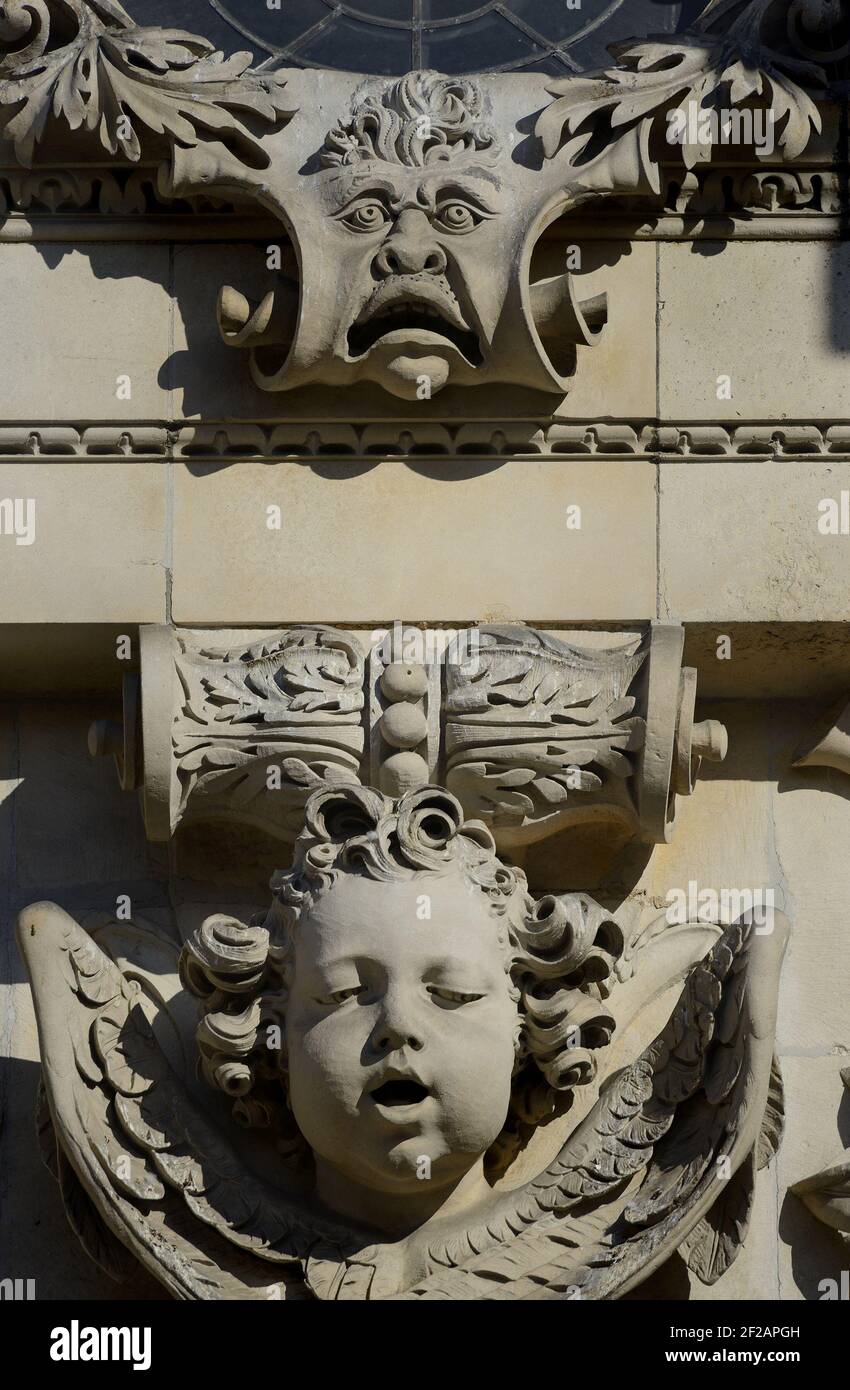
(540, 735)
(530, 733)
(244, 734)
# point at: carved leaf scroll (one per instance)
(533, 725)
(90, 66)
(607, 121)
(293, 700)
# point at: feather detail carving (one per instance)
(665, 1159)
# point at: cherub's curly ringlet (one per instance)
(560, 952)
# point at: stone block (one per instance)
(479, 543)
(99, 543)
(76, 321)
(743, 542)
(771, 316)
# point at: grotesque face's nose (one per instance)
(410, 249)
(398, 1025)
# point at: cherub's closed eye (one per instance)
(339, 996)
(452, 998)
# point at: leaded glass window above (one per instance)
(393, 36)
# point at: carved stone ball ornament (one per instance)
(530, 733)
(413, 205)
(451, 1089)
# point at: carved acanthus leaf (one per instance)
(605, 123)
(88, 64)
(291, 701)
(533, 724)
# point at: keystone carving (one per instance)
(413, 206)
(530, 733)
(453, 1089)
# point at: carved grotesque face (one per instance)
(400, 1031)
(411, 243)
(413, 224)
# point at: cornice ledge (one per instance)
(89, 201)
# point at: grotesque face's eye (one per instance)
(455, 216)
(368, 216)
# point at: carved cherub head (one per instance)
(429, 1012)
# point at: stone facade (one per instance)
(424, 489)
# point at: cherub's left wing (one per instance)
(664, 1161)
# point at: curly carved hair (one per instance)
(420, 119)
(559, 951)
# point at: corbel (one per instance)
(532, 734)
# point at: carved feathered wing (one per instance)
(138, 1159)
(665, 1159)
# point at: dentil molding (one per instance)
(324, 439)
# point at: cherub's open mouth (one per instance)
(408, 317)
(394, 1093)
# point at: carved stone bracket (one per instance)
(531, 734)
(395, 196)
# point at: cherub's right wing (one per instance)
(141, 1164)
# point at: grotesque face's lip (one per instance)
(414, 308)
(397, 1093)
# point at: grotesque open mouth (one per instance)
(408, 310)
(395, 1093)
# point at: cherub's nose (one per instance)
(410, 249)
(397, 1027)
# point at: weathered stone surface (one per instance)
(99, 544)
(817, 1137)
(618, 378)
(770, 316)
(389, 542)
(47, 784)
(744, 542)
(811, 817)
(90, 329)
